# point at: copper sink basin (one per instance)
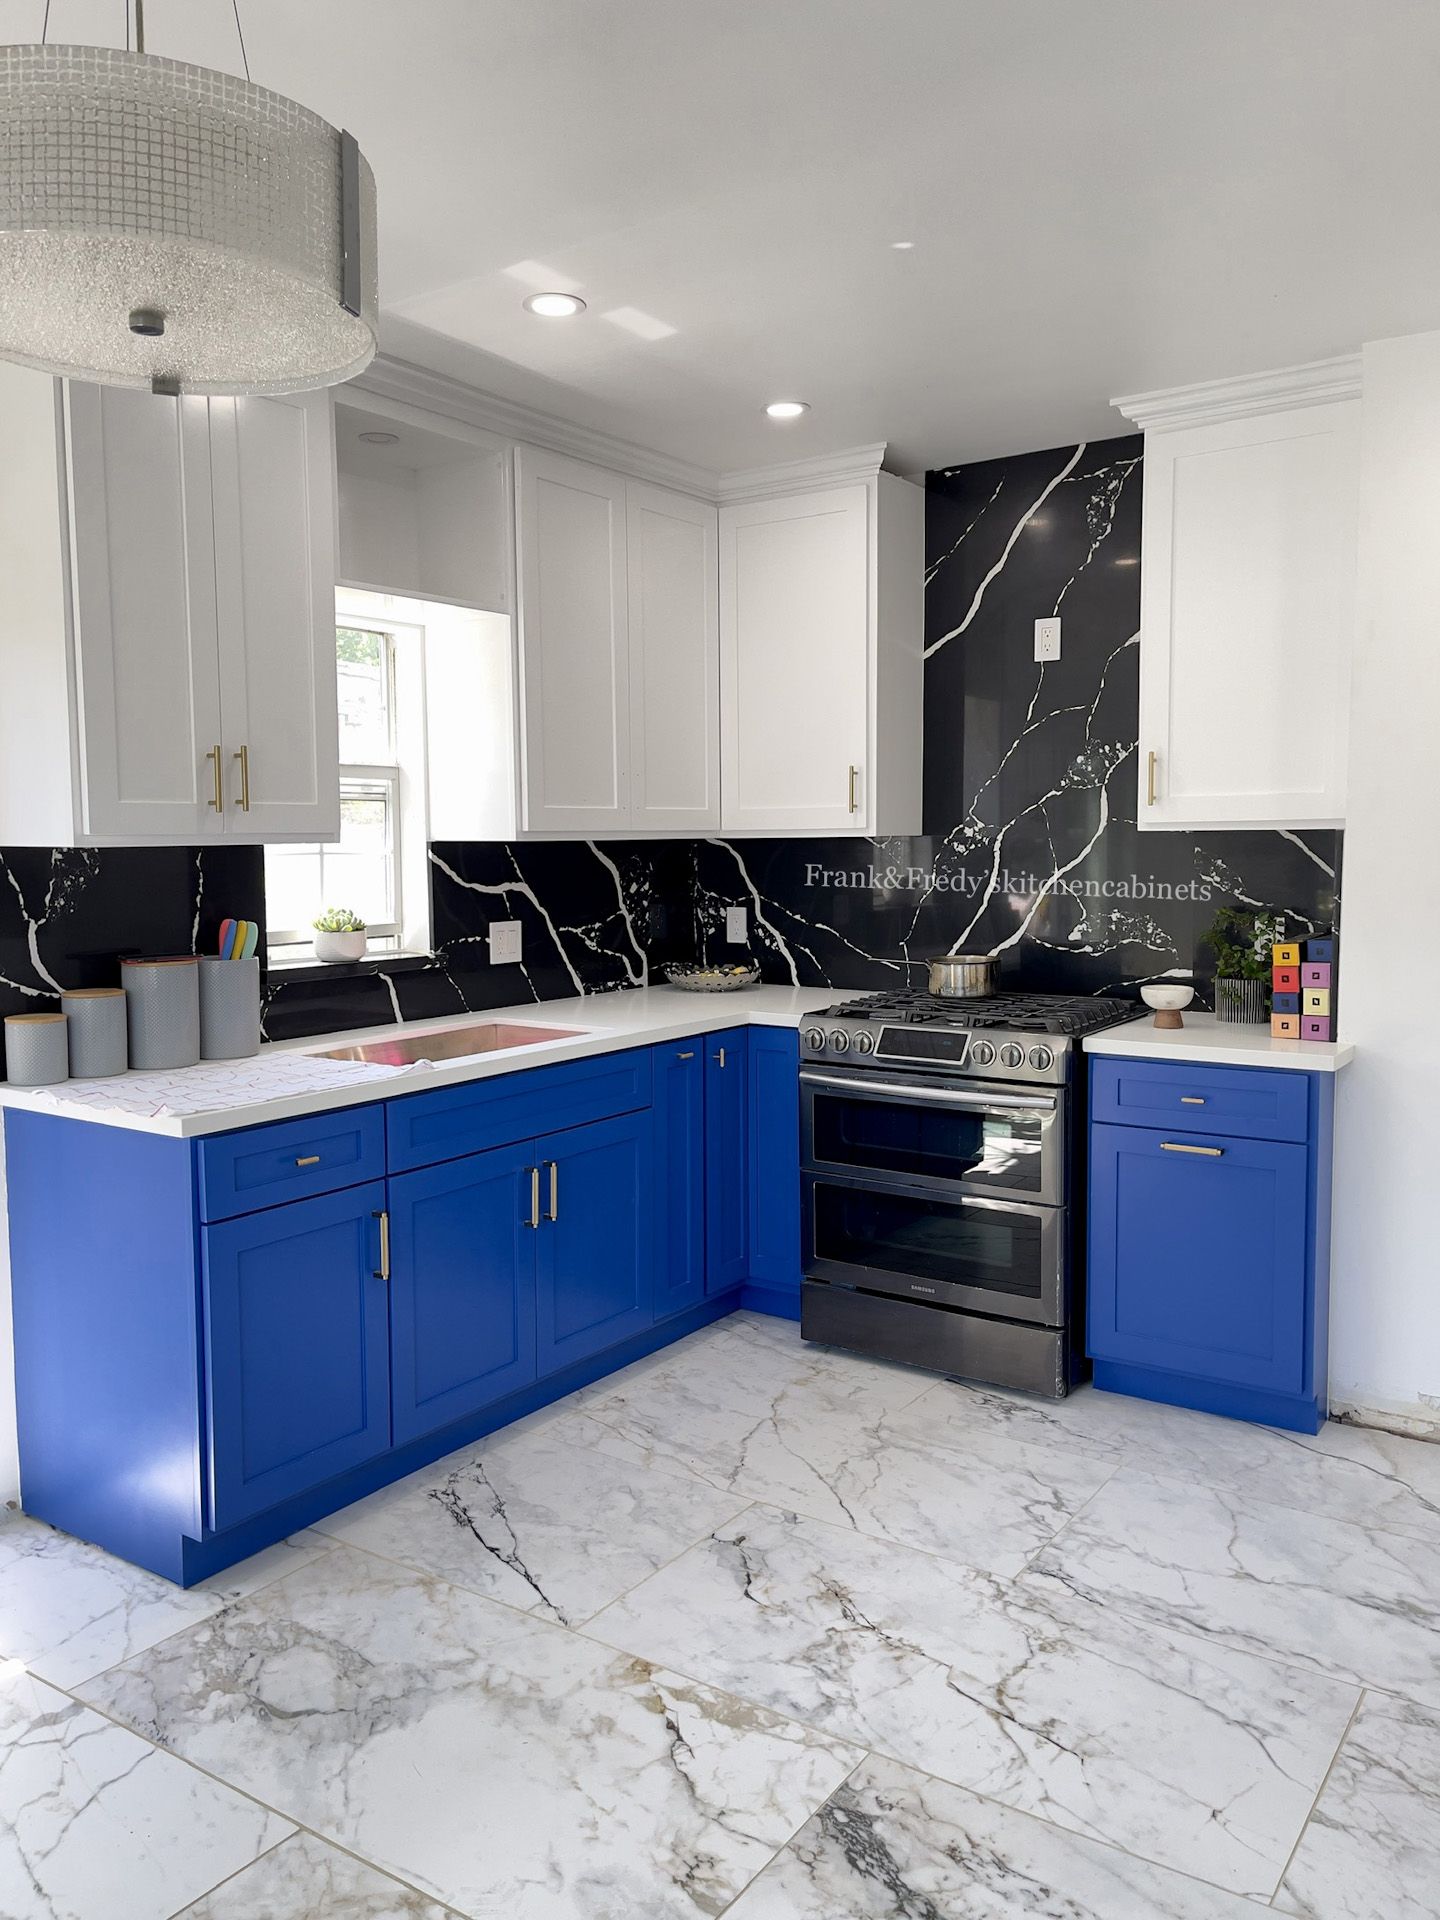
(458, 1043)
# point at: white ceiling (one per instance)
(1105, 196)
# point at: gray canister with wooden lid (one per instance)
(98, 1032)
(163, 1002)
(36, 1054)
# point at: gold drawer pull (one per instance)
(852, 796)
(382, 1272)
(218, 800)
(1191, 1100)
(554, 1213)
(243, 756)
(1174, 1146)
(309, 1160)
(684, 1056)
(1150, 778)
(534, 1216)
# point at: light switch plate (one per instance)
(504, 942)
(1047, 639)
(737, 926)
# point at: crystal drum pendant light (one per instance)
(166, 226)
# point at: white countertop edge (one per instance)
(606, 1023)
(1206, 1041)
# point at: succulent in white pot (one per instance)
(340, 935)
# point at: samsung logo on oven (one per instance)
(915, 1287)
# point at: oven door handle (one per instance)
(935, 1096)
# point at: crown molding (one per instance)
(1310, 385)
(852, 465)
(400, 380)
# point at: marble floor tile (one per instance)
(69, 1610)
(304, 1879)
(546, 1524)
(501, 1764)
(842, 1446)
(1372, 1849)
(96, 1824)
(892, 1844)
(1189, 1755)
(1362, 1603)
(1332, 1473)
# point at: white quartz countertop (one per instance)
(290, 1078)
(1204, 1040)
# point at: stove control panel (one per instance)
(878, 1047)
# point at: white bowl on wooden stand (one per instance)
(1167, 1001)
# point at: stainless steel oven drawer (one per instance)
(1002, 1353)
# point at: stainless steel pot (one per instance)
(964, 976)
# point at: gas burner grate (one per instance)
(1060, 1013)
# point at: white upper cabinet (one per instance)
(674, 660)
(166, 572)
(822, 659)
(574, 644)
(271, 478)
(1248, 555)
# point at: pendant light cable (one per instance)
(240, 35)
(45, 24)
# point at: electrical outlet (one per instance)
(1047, 639)
(737, 926)
(504, 943)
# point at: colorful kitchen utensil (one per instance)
(227, 939)
(252, 940)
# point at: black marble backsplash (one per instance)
(1031, 852)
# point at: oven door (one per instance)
(952, 1136)
(1000, 1257)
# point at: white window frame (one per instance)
(404, 776)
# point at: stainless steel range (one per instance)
(942, 1168)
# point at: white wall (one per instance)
(1385, 1313)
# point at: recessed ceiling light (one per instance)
(787, 409)
(381, 439)
(903, 246)
(555, 306)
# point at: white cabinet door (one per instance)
(674, 660)
(1247, 612)
(574, 644)
(795, 661)
(272, 478)
(143, 599)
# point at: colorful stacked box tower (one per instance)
(1302, 1005)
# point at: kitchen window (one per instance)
(365, 869)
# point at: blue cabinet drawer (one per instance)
(425, 1128)
(1254, 1103)
(262, 1166)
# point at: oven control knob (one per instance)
(1042, 1059)
(864, 1041)
(981, 1053)
(839, 1041)
(814, 1037)
(1011, 1055)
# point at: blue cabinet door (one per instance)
(679, 1117)
(727, 1157)
(1200, 1257)
(594, 1250)
(297, 1348)
(775, 1162)
(462, 1287)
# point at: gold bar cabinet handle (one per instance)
(554, 1213)
(720, 1057)
(534, 1217)
(218, 800)
(243, 756)
(310, 1160)
(382, 1272)
(854, 785)
(1191, 1100)
(685, 1056)
(1208, 1153)
(1150, 778)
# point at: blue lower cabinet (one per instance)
(594, 1248)
(297, 1348)
(679, 1154)
(462, 1288)
(1208, 1258)
(773, 1171)
(727, 1146)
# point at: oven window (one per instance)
(988, 1148)
(924, 1239)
